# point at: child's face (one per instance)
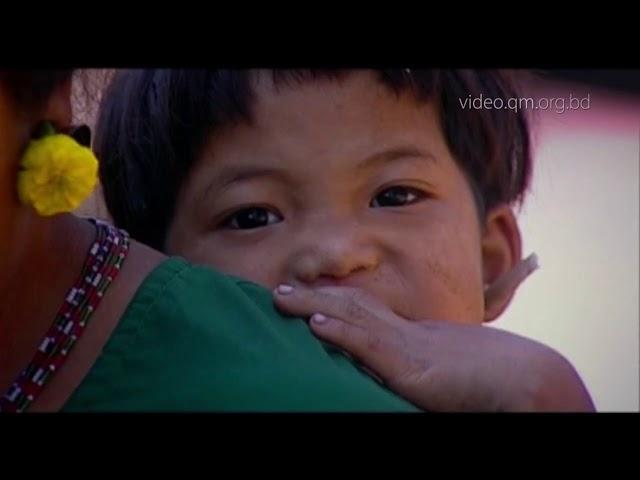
(338, 183)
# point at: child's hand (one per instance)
(441, 366)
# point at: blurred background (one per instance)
(581, 218)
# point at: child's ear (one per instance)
(501, 252)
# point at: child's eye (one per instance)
(397, 197)
(248, 218)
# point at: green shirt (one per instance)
(193, 339)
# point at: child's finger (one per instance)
(364, 344)
(347, 304)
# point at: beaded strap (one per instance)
(103, 262)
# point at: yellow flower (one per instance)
(57, 175)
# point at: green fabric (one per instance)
(196, 340)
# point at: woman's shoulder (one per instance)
(192, 338)
(178, 290)
(182, 323)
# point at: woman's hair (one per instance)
(153, 124)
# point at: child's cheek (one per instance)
(444, 268)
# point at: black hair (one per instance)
(153, 124)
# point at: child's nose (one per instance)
(333, 254)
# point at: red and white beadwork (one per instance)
(101, 267)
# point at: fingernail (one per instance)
(318, 318)
(284, 289)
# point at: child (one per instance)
(375, 180)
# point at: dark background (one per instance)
(620, 80)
